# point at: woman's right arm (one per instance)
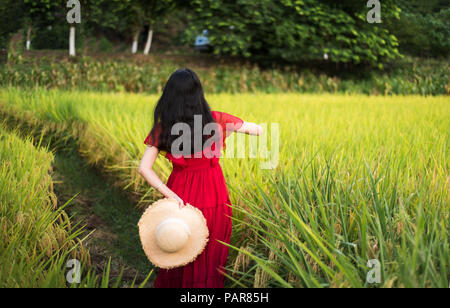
(146, 170)
(250, 129)
(231, 123)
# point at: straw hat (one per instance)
(172, 237)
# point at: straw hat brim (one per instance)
(169, 208)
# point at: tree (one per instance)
(139, 12)
(116, 18)
(35, 13)
(136, 24)
(73, 18)
(423, 28)
(11, 21)
(153, 11)
(132, 16)
(296, 31)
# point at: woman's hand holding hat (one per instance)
(168, 193)
(180, 201)
(174, 196)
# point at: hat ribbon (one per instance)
(170, 220)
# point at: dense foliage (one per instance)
(115, 19)
(424, 27)
(297, 31)
(409, 76)
(10, 21)
(269, 31)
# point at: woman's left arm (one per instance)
(146, 170)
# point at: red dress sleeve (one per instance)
(229, 123)
(152, 137)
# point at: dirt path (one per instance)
(105, 210)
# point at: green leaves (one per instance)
(294, 31)
(423, 27)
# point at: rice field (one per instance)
(36, 237)
(358, 178)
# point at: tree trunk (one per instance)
(135, 42)
(148, 45)
(3, 56)
(72, 41)
(28, 37)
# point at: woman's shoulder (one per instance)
(216, 114)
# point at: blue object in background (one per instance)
(202, 42)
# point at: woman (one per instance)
(196, 177)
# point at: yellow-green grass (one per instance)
(36, 237)
(358, 178)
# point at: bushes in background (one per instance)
(410, 76)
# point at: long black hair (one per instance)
(182, 98)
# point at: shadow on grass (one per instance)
(103, 208)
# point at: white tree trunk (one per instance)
(148, 45)
(72, 41)
(28, 37)
(134, 47)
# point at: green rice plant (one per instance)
(321, 233)
(358, 178)
(37, 238)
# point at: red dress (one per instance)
(200, 182)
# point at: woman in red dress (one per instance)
(196, 177)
